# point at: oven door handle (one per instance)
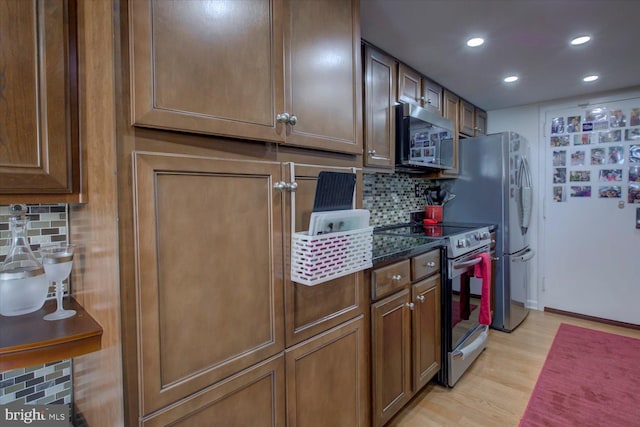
(471, 347)
(467, 264)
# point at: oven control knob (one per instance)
(477, 236)
(485, 235)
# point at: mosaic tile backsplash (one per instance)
(390, 198)
(42, 384)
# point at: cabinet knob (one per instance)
(372, 152)
(411, 305)
(396, 277)
(421, 298)
(280, 185)
(283, 118)
(291, 186)
(428, 101)
(293, 120)
(430, 264)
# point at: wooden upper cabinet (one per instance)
(323, 88)
(432, 96)
(379, 114)
(480, 121)
(417, 89)
(208, 67)
(39, 151)
(451, 111)
(286, 71)
(466, 118)
(409, 85)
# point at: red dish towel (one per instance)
(482, 270)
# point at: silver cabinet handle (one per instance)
(293, 120)
(421, 298)
(411, 305)
(282, 118)
(280, 185)
(430, 264)
(291, 186)
(396, 277)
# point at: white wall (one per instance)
(529, 121)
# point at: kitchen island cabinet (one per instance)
(39, 145)
(405, 333)
(257, 70)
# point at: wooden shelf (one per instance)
(30, 340)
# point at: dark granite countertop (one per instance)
(389, 248)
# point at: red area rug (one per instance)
(590, 378)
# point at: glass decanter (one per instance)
(23, 283)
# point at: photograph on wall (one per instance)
(617, 119)
(634, 154)
(559, 175)
(560, 141)
(632, 134)
(577, 158)
(579, 176)
(559, 194)
(581, 191)
(610, 136)
(597, 119)
(634, 193)
(634, 119)
(559, 158)
(607, 175)
(598, 156)
(616, 155)
(634, 171)
(557, 125)
(610, 192)
(573, 124)
(582, 139)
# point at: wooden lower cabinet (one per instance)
(327, 378)
(391, 356)
(254, 397)
(426, 331)
(405, 338)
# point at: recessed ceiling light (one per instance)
(590, 78)
(475, 42)
(510, 79)
(580, 40)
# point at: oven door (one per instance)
(466, 336)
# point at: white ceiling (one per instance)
(529, 38)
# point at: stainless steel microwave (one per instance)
(424, 139)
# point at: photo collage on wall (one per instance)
(596, 154)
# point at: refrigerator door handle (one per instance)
(526, 256)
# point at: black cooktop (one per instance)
(439, 230)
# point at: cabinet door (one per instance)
(467, 118)
(379, 120)
(254, 397)
(480, 120)
(391, 358)
(426, 331)
(451, 107)
(327, 378)
(208, 236)
(409, 85)
(208, 67)
(432, 94)
(38, 104)
(310, 310)
(323, 74)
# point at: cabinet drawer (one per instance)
(425, 265)
(388, 279)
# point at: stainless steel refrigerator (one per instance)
(495, 186)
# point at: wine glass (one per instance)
(57, 261)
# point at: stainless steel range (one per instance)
(463, 337)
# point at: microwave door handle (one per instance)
(467, 264)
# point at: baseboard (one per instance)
(593, 318)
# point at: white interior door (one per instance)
(590, 243)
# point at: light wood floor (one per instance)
(494, 392)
